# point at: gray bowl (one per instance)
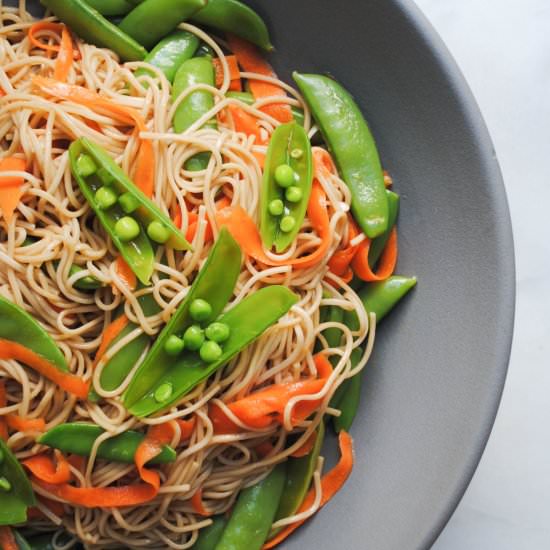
(436, 377)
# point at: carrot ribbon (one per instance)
(10, 187)
(234, 73)
(20, 424)
(110, 333)
(198, 505)
(44, 468)
(3, 403)
(386, 265)
(331, 483)
(7, 540)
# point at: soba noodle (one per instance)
(64, 231)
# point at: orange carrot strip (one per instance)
(64, 59)
(330, 485)
(67, 381)
(341, 259)
(234, 73)
(244, 231)
(186, 428)
(20, 424)
(109, 334)
(3, 403)
(48, 26)
(386, 265)
(198, 505)
(251, 60)
(125, 272)
(144, 175)
(10, 187)
(44, 469)
(245, 123)
(305, 449)
(7, 540)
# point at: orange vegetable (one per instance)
(42, 467)
(144, 175)
(193, 224)
(7, 540)
(10, 187)
(386, 265)
(49, 26)
(305, 449)
(20, 424)
(67, 381)
(197, 504)
(109, 334)
(64, 59)
(3, 403)
(244, 231)
(234, 73)
(124, 271)
(252, 61)
(245, 123)
(339, 264)
(330, 485)
(186, 428)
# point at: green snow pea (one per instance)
(151, 20)
(79, 438)
(170, 53)
(90, 25)
(16, 493)
(288, 168)
(377, 245)
(111, 7)
(131, 219)
(252, 517)
(237, 18)
(211, 535)
(299, 474)
(16, 325)
(352, 145)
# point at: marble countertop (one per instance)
(503, 49)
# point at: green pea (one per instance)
(193, 338)
(210, 351)
(294, 194)
(284, 175)
(105, 197)
(158, 232)
(126, 229)
(163, 392)
(105, 176)
(276, 207)
(287, 224)
(128, 202)
(174, 345)
(5, 485)
(85, 166)
(200, 310)
(296, 153)
(218, 332)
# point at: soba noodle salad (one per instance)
(194, 256)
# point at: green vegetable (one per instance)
(127, 201)
(79, 438)
(377, 245)
(276, 207)
(170, 53)
(284, 171)
(163, 392)
(211, 535)
(16, 325)
(352, 145)
(253, 514)
(200, 310)
(157, 232)
(193, 338)
(210, 351)
(294, 194)
(135, 247)
(111, 7)
(152, 20)
(89, 282)
(218, 332)
(174, 345)
(299, 474)
(91, 26)
(17, 494)
(105, 197)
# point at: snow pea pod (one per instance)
(16, 325)
(347, 396)
(253, 514)
(170, 53)
(151, 20)
(133, 221)
(377, 245)
(285, 199)
(211, 535)
(299, 474)
(16, 493)
(237, 18)
(111, 7)
(353, 147)
(90, 25)
(79, 438)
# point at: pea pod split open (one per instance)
(133, 221)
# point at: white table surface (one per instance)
(503, 49)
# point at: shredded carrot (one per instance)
(306, 448)
(198, 505)
(49, 26)
(3, 403)
(124, 271)
(330, 485)
(64, 60)
(20, 424)
(245, 123)
(193, 224)
(386, 265)
(252, 61)
(10, 187)
(234, 73)
(109, 334)
(186, 428)
(144, 175)
(67, 381)
(341, 259)
(7, 540)
(43, 467)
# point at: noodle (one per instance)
(63, 231)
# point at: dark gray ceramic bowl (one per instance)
(436, 377)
